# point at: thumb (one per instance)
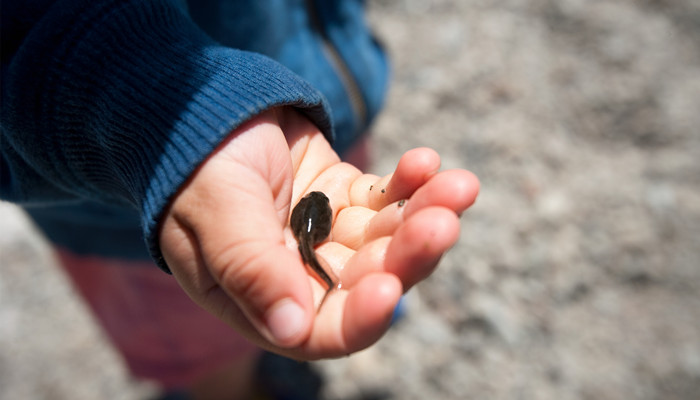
(236, 262)
(233, 213)
(269, 285)
(244, 248)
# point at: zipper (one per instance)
(352, 88)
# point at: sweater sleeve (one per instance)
(119, 101)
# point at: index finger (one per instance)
(414, 169)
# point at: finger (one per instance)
(356, 226)
(368, 310)
(307, 168)
(360, 188)
(334, 182)
(351, 226)
(411, 253)
(418, 244)
(335, 256)
(351, 320)
(369, 259)
(454, 189)
(414, 169)
(303, 138)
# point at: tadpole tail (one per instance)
(309, 257)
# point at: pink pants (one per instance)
(160, 332)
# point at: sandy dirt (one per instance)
(577, 274)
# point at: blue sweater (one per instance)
(108, 106)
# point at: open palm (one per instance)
(227, 240)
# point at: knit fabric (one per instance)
(109, 106)
(116, 102)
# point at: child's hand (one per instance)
(227, 239)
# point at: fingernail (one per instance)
(286, 320)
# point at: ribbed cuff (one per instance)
(237, 86)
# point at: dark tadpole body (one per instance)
(311, 224)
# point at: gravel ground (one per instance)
(577, 273)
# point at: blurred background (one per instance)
(577, 275)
